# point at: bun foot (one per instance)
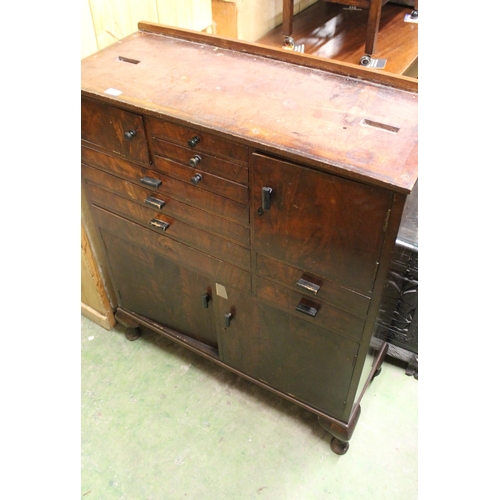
(132, 333)
(339, 447)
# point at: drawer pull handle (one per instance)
(154, 202)
(306, 309)
(266, 197)
(196, 179)
(151, 182)
(193, 141)
(195, 160)
(227, 319)
(205, 299)
(129, 134)
(159, 224)
(308, 285)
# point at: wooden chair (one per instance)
(374, 13)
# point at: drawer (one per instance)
(202, 161)
(309, 309)
(220, 271)
(173, 228)
(203, 180)
(312, 286)
(168, 206)
(196, 140)
(181, 191)
(120, 132)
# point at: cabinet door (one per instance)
(159, 289)
(115, 130)
(321, 223)
(294, 356)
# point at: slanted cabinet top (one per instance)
(347, 125)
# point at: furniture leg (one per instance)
(374, 15)
(132, 326)
(287, 17)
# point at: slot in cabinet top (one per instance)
(345, 125)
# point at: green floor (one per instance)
(159, 422)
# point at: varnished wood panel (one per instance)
(192, 236)
(229, 170)
(174, 208)
(182, 191)
(173, 250)
(206, 142)
(327, 316)
(161, 290)
(209, 182)
(305, 361)
(361, 130)
(107, 126)
(329, 292)
(330, 226)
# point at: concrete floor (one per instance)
(159, 422)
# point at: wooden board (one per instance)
(353, 128)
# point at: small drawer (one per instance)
(203, 180)
(178, 190)
(197, 140)
(206, 265)
(118, 131)
(174, 228)
(310, 309)
(202, 161)
(312, 286)
(168, 205)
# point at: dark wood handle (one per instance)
(205, 299)
(195, 160)
(227, 319)
(154, 202)
(151, 182)
(129, 134)
(266, 197)
(193, 141)
(306, 309)
(196, 179)
(159, 224)
(308, 285)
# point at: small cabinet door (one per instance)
(321, 223)
(115, 130)
(159, 289)
(308, 362)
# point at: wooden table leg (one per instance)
(287, 17)
(374, 15)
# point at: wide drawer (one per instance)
(313, 286)
(220, 271)
(203, 180)
(168, 206)
(196, 139)
(181, 191)
(309, 309)
(116, 130)
(202, 161)
(174, 228)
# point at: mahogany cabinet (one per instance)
(252, 221)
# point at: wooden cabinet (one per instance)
(263, 252)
